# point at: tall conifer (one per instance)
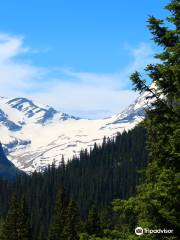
(93, 223)
(16, 225)
(56, 231)
(73, 225)
(158, 197)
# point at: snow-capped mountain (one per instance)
(35, 135)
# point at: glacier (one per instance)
(35, 136)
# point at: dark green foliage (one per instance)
(1, 226)
(57, 226)
(107, 172)
(156, 205)
(107, 218)
(66, 219)
(93, 226)
(16, 224)
(73, 225)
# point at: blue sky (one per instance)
(75, 55)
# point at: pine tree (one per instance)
(1, 227)
(107, 218)
(93, 222)
(16, 225)
(110, 171)
(57, 226)
(156, 205)
(158, 197)
(73, 224)
(24, 224)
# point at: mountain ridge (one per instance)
(42, 135)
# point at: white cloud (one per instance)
(84, 93)
(10, 47)
(110, 80)
(15, 76)
(83, 100)
(142, 55)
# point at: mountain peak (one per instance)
(30, 109)
(46, 134)
(17, 112)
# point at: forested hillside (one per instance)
(96, 178)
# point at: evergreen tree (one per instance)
(157, 202)
(73, 225)
(24, 223)
(57, 226)
(1, 227)
(107, 172)
(156, 205)
(107, 218)
(16, 225)
(93, 222)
